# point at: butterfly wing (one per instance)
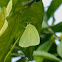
(30, 37)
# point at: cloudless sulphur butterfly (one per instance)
(30, 36)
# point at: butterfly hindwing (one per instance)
(30, 37)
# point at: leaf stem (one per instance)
(51, 31)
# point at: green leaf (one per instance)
(4, 27)
(43, 46)
(57, 27)
(53, 49)
(6, 39)
(28, 52)
(2, 17)
(53, 20)
(30, 37)
(54, 28)
(60, 37)
(3, 22)
(52, 8)
(29, 13)
(38, 58)
(46, 55)
(45, 23)
(16, 24)
(59, 49)
(9, 8)
(3, 3)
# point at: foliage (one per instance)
(15, 15)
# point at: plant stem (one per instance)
(11, 50)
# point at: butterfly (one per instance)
(30, 36)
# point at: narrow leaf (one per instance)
(59, 49)
(46, 55)
(57, 27)
(52, 8)
(4, 27)
(8, 8)
(43, 46)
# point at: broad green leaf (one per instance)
(52, 8)
(16, 24)
(57, 27)
(59, 49)
(9, 8)
(29, 13)
(46, 55)
(30, 37)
